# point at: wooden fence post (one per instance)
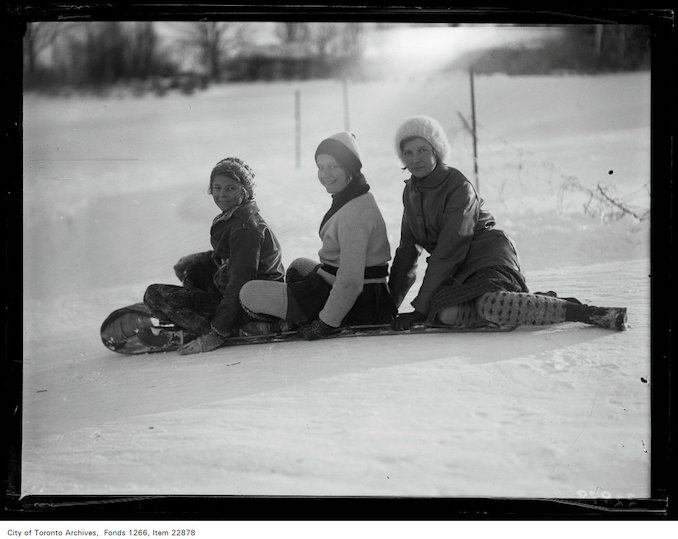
(347, 123)
(475, 136)
(297, 127)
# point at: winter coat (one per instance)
(244, 248)
(353, 239)
(442, 213)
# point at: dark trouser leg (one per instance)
(189, 309)
(306, 298)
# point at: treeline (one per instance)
(186, 55)
(160, 56)
(586, 48)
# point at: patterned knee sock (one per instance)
(520, 308)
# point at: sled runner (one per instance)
(375, 330)
(132, 330)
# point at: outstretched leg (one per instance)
(519, 308)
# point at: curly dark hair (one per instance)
(235, 168)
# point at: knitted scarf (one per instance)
(356, 187)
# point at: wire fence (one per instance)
(507, 169)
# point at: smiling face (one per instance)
(419, 157)
(331, 175)
(226, 192)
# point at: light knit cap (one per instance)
(343, 147)
(426, 128)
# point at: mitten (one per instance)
(190, 263)
(204, 343)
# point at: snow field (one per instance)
(115, 193)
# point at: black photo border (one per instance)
(663, 71)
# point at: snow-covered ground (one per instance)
(115, 193)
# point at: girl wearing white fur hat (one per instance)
(473, 275)
(348, 284)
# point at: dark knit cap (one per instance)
(235, 168)
(344, 148)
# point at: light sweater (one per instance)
(352, 239)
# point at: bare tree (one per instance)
(215, 40)
(323, 36)
(41, 38)
(105, 47)
(293, 32)
(142, 49)
(338, 40)
(352, 40)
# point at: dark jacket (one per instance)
(244, 248)
(442, 213)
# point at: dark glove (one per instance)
(405, 321)
(181, 267)
(315, 330)
(190, 263)
(204, 343)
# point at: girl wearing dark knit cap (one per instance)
(473, 275)
(348, 284)
(243, 248)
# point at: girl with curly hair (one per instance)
(243, 248)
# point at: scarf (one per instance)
(356, 187)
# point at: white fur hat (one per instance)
(426, 128)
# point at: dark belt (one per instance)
(371, 272)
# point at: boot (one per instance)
(259, 328)
(608, 317)
(603, 317)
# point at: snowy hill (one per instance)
(114, 194)
(561, 411)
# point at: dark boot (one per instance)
(608, 317)
(265, 328)
(604, 317)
